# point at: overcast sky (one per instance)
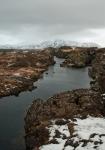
(32, 21)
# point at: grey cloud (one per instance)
(50, 17)
(53, 12)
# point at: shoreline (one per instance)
(41, 114)
(19, 74)
(29, 72)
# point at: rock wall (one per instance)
(97, 71)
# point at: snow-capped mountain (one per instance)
(46, 44)
(59, 43)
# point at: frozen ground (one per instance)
(89, 134)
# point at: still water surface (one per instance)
(13, 109)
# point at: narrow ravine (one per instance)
(13, 109)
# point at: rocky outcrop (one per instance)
(63, 52)
(79, 57)
(67, 105)
(97, 71)
(19, 69)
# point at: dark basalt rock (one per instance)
(61, 122)
(71, 143)
(97, 71)
(38, 137)
(53, 141)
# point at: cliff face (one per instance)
(97, 71)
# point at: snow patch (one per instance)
(91, 130)
(89, 126)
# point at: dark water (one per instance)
(13, 109)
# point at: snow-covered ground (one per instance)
(89, 134)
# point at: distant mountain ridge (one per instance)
(46, 44)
